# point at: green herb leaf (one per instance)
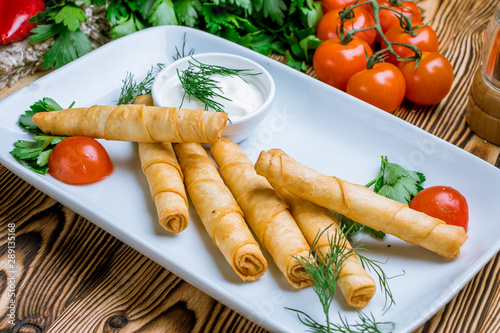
(35, 154)
(187, 10)
(68, 46)
(70, 16)
(274, 9)
(162, 13)
(397, 183)
(393, 182)
(43, 105)
(44, 31)
(126, 26)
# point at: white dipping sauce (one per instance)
(245, 97)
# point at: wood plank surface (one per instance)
(72, 276)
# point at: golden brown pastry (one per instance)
(165, 180)
(219, 212)
(137, 123)
(354, 282)
(361, 204)
(264, 210)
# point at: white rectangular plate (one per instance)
(317, 125)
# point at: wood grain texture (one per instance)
(74, 277)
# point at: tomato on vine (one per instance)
(390, 17)
(444, 203)
(422, 36)
(335, 62)
(327, 5)
(382, 86)
(330, 24)
(430, 81)
(79, 160)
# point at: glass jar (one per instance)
(483, 107)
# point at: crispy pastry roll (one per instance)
(219, 212)
(165, 180)
(264, 210)
(137, 123)
(354, 282)
(361, 204)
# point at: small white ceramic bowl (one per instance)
(236, 129)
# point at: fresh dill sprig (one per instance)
(366, 324)
(182, 53)
(374, 266)
(197, 82)
(131, 89)
(324, 271)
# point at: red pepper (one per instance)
(14, 16)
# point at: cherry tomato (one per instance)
(431, 81)
(335, 63)
(389, 18)
(444, 203)
(382, 86)
(425, 39)
(14, 16)
(327, 5)
(330, 24)
(79, 160)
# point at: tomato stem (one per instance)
(346, 36)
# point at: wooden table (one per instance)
(74, 277)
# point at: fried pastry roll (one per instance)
(265, 212)
(165, 180)
(137, 123)
(361, 204)
(354, 282)
(219, 212)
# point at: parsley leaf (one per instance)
(63, 22)
(397, 183)
(187, 10)
(162, 13)
(393, 182)
(264, 26)
(70, 16)
(35, 154)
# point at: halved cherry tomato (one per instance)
(79, 160)
(431, 81)
(425, 39)
(444, 203)
(335, 63)
(390, 17)
(330, 24)
(382, 86)
(14, 16)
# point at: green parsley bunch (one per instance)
(265, 26)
